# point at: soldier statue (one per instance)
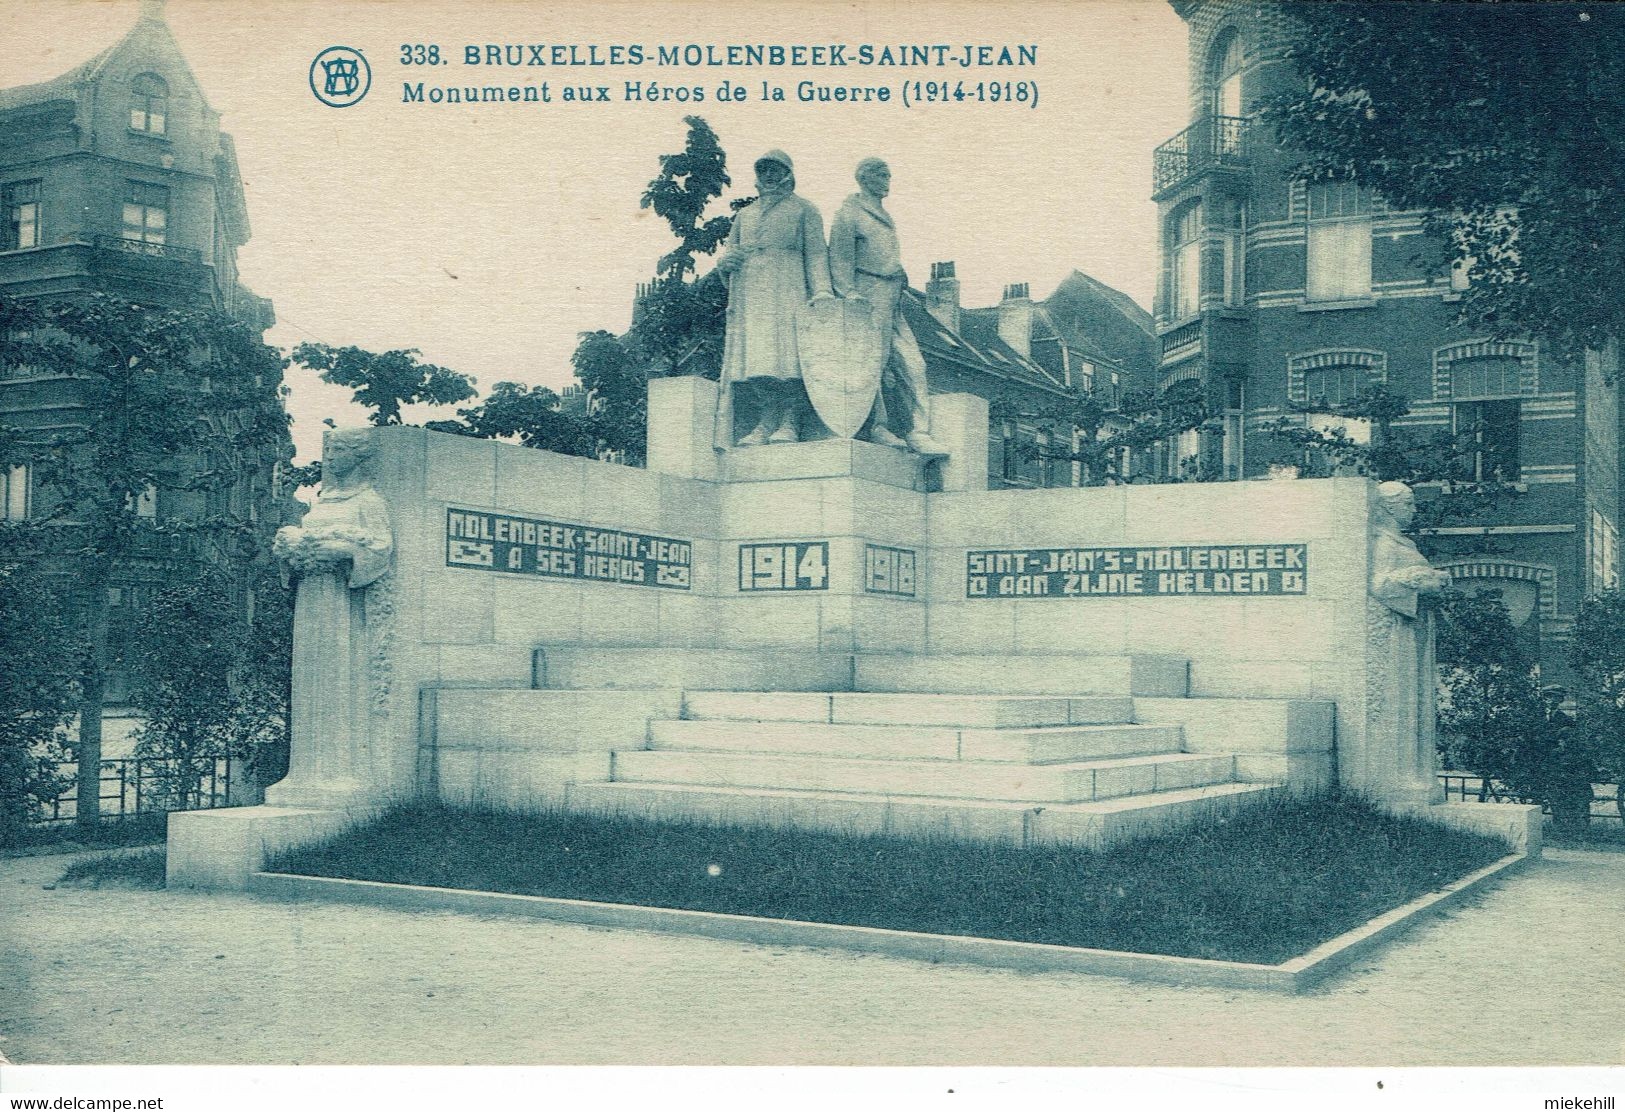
(865, 262)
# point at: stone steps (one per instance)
(1094, 824)
(1034, 745)
(907, 708)
(1070, 782)
(576, 666)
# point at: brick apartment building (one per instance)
(1278, 296)
(116, 178)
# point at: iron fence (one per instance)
(1607, 800)
(146, 785)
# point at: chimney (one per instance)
(1016, 318)
(942, 295)
(640, 294)
(152, 10)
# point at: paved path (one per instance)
(1531, 974)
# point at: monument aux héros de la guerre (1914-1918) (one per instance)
(810, 574)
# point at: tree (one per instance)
(685, 187)
(1498, 722)
(178, 401)
(1506, 122)
(682, 318)
(532, 415)
(1393, 452)
(36, 697)
(203, 687)
(1597, 655)
(1142, 419)
(385, 381)
(617, 394)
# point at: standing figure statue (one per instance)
(1401, 676)
(865, 262)
(775, 263)
(337, 554)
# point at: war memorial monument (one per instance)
(809, 610)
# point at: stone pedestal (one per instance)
(223, 848)
(959, 424)
(682, 422)
(825, 459)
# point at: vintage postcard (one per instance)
(849, 534)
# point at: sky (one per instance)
(490, 236)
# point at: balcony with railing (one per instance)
(1213, 142)
(125, 246)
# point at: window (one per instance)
(146, 503)
(149, 100)
(20, 201)
(146, 213)
(1226, 76)
(1604, 553)
(1182, 454)
(1339, 248)
(1185, 262)
(1493, 376)
(1047, 466)
(15, 486)
(13, 365)
(1461, 271)
(1333, 386)
(1488, 433)
(1235, 257)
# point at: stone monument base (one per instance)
(223, 848)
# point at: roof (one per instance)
(65, 87)
(976, 346)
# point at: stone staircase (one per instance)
(1022, 769)
(650, 732)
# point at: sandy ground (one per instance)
(1530, 974)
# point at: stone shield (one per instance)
(842, 353)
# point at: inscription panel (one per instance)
(1122, 571)
(889, 571)
(562, 550)
(786, 566)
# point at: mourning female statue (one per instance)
(1400, 671)
(775, 262)
(339, 556)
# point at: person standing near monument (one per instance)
(866, 261)
(775, 262)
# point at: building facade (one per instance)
(1030, 358)
(116, 178)
(1281, 297)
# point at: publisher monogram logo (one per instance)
(340, 76)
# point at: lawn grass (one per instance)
(126, 870)
(1262, 887)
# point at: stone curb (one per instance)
(1290, 976)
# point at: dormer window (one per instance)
(149, 104)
